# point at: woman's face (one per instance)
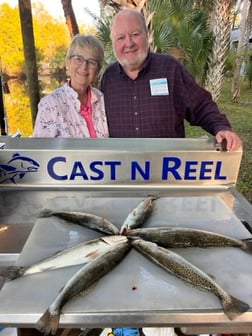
(83, 67)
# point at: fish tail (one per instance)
(234, 307)
(14, 272)
(45, 213)
(48, 324)
(248, 245)
(153, 197)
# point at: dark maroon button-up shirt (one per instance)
(134, 112)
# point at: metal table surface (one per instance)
(217, 207)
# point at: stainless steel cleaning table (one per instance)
(194, 181)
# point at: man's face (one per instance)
(130, 41)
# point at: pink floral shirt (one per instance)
(59, 115)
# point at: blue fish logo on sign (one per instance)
(17, 168)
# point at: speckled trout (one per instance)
(183, 269)
(87, 220)
(75, 255)
(81, 282)
(186, 237)
(138, 215)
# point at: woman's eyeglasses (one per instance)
(79, 60)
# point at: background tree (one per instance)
(181, 29)
(245, 29)
(51, 39)
(16, 102)
(70, 17)
(249, 71)
(176, 27)
(221, 28)
(30, 54)
(11, 41)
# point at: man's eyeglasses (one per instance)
(79, 60)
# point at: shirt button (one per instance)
(134, 97)
(136, 113)
(137, 129)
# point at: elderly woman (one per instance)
(76, 109)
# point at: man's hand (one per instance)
(233, 140)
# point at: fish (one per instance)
(90, 221)
(180, 237)
(74, 255)
(81, 283)
(138, 215)
(186, 271)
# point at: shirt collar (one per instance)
(74, 94)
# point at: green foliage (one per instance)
(240, 116)
(230, 63)
(103, 33)
(249, 70)
(249, 73)
(176, 24)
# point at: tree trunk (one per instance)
(241, 48)
(2, 111)
(25, 13)
(70, 17)
(249, 22)
(221, 29)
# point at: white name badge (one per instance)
(159, 87)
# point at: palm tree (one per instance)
(174, 26)
(70, 17)
(245, 29)
(221, 27)
(25, 14)
(181, 29)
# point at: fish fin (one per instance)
(94, 254)
(45, 213)
(14, 272)
(48, 323)
(234, 307)
(124, 231)
(21, 175)
(248, 245)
